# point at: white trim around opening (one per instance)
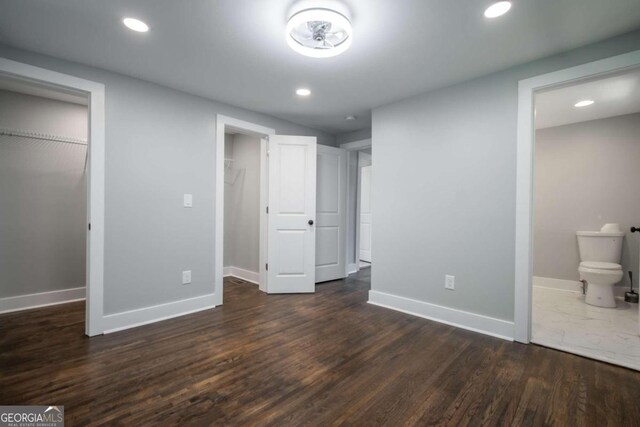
(95, 172)
(354, 191)
(524, 176)
(223, 124)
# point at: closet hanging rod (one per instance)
(42, 136)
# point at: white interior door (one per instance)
(331, 216)
(292, 210)
(365, 214)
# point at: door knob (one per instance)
(310, 222)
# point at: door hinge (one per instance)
(89, 226)
(266, 266)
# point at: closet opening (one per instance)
(243, 172)
(44, 159)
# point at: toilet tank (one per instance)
(600, 246)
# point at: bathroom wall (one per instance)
(42, 197)
(242, 203)
(586, 174)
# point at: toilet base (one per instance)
(600, 295)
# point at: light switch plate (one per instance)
(449, 282)
(186, 277)
(188, 200)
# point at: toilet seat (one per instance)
(596, 265)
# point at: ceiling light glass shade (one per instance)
(319, 33)
(303, 92)
(584, 103)
(136, 25)
(497, 9)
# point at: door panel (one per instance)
(331, 213)
(292, 205)
(365, 214)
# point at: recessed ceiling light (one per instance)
(497, 9)
(303, 92)
(584, 103)
(136, 25)
(319, 33)
(350, 118)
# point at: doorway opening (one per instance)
(241, 202)
(574, 216)
(584, 255)
(364, 207)
(242, 209)
(359, 212)
(52, 178)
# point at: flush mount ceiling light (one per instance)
(319, 33)
(351, 118)
(497, 9)
(584, 103)
(303, 92)
(136, 25)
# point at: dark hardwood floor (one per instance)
(327, 358)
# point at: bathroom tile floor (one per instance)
(562, 320)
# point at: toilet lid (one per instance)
(600, 265)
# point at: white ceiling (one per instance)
(616, 95)
(235, 50)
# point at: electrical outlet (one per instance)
(186, 277)
(449, 282)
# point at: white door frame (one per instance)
(95, 173)
(524, 175)
(362, 163)
(224, 123)
(352, 149)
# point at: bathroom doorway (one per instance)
(585, 255)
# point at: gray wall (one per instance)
(357, 135)
(160, 144)
(586, 174)
(42, 197)
(445, 167)
(242, 204)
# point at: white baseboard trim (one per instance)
(462, 319)
(352, 268)
(42, 299)
(559, 284)
(241, 273)
(143, 316)
(571, 286)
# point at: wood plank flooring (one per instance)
(289, 360)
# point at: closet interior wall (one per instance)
(242, 204)
(42, 195)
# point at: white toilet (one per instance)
(600, 253)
